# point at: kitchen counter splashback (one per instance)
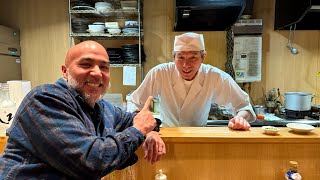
(272, 120)
(259, 123)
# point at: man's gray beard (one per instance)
(87, 97)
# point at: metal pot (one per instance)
(261, 110)
(298, 101)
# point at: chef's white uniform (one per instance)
(179, 108)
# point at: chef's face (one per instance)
(87, 71)
(188, 63)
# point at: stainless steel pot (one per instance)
(261, 110)
(298, 101)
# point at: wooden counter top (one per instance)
(226, 135)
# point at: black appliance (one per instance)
(207, 15)
(297, 114)
(304, 13)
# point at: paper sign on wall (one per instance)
(129, 75)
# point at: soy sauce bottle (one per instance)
(293, 172)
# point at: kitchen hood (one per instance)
(207, 15)
(304, 13)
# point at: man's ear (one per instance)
(204, 55)
(64, 71)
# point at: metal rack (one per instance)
(116, 13)
(113, 14)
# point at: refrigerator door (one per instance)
(10, 68)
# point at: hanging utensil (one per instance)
(293, 50)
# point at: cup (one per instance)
(258, 109)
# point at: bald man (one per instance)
(66, 131)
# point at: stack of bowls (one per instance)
(131, 27)
(97, 27)
(131, 24)
(113, 27)
(130, 31)
(103, 7)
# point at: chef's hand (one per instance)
(239, 123)
(144, 120)
(154, 148)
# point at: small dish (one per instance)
(271, 130)
(300, 128)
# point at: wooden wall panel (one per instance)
(44, 27)
(281, 69)
(44, 35)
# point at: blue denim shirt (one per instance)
(56, 135)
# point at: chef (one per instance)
(187, 88)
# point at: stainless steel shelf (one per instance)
(122, 65)
(103, 34)
(114, 14)
(106, 36)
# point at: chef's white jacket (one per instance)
(178, 108)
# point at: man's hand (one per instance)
(239, 123)
(144, 120)
(154, 148)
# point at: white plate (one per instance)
(300, 128)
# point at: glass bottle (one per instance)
(160, 176)
(7, 109)
(293, 172)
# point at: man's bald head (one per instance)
(83, 48)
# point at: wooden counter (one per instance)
(201, 153)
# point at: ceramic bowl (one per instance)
(96, 27)
(271, 130)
